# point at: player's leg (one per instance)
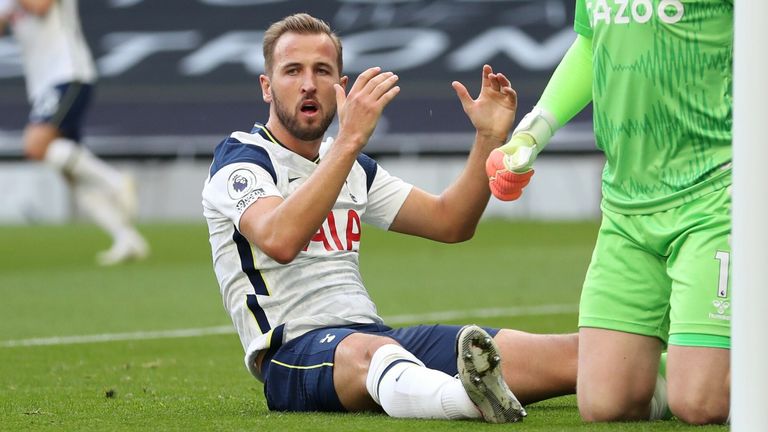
(105, 195)
(352, 362)
(537, 366)
(699, 384)
(342, 369)
(37, 138)
(398, 381)
(623, 319)
(471, 354)
(698, 367)
(617, 374)
(54, 131)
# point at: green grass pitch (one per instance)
(50, 288)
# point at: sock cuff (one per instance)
(382, 362)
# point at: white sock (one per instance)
(400, 383)
(77, 161)
(97, 205)
(659, 403)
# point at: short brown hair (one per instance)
(300, 23)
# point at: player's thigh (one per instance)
(434, 345)
(301, 374)
(61, 108)
(351, 363)
(698, 371)
(616, 374)
(626, 288)
(699, 266)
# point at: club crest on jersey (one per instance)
(240, 183)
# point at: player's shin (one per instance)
(401, 384)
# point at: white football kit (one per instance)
(54, 48)
(271, 303)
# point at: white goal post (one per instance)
(749, 355)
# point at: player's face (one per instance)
(301, 86)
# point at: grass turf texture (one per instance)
(50, 288)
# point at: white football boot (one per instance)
(129, 246)
(479, 365)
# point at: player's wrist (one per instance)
(536, 128)
(350, 142)
(489, 139)
(530, 136)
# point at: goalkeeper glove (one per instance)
(509, 167)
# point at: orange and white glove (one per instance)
(509, 167)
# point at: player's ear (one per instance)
(266, 88)
(343, 81)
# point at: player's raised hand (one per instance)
(359, 111)
(493, 112)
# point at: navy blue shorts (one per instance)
(63, 106)
(298, 376)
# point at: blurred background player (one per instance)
(60, 75)
(284, 211)
(659, 76)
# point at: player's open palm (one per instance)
(359, 111)
(493, 112)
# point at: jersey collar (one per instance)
(260, 129)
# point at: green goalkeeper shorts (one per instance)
(664, 274)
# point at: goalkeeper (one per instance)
(660, 82)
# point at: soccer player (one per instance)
(659, 76)
(60, 76)
(285, 212)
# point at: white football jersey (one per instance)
(271, 303)
(53, 48)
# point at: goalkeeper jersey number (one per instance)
(662, 78)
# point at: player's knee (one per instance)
(37, 138)
(35, 150)
(614, 408)
(701, 408)
(361, 347)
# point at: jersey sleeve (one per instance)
(234, 188)
(581, 20)
(385, 197)
(569, 89)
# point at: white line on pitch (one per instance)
(552, 309)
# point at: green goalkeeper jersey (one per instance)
(661, 86)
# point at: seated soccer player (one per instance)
(284, 210)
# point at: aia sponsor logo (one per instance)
(334, 239)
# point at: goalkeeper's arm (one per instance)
(509, 167)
